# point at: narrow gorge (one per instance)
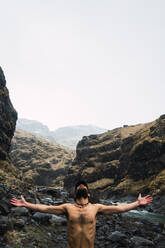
(117, 165)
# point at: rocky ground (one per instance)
(20, 227)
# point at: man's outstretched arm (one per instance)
(103, 209)
(58, 210)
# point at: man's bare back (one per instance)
(81, 215)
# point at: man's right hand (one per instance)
(58, 210)
(18, 203)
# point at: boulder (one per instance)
(42, 218)
(20, 211)
(140, 241)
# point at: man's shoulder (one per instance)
(68, 205)
(95, 204)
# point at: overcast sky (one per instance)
(71, 62)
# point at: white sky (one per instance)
(71, 62)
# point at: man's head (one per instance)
(81, 190)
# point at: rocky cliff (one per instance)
(39, 161)
(8, 117)
(125, 160)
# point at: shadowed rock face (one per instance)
(124, 160)
(8, 117)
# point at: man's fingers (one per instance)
(149, 199)
(140, 195)
(13, 202)
(147, 196)
(13, 199)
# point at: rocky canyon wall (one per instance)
(8, 117)
(122, 161)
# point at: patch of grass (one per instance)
(89, 170)
(158, 184)
(102, 183)
(37, 236)
(13, 238)
(128, 185)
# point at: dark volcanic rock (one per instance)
(42, 218)
(19, 211)
(3, 224)
(139, 241)
(8, 117)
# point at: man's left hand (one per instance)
(144, 200)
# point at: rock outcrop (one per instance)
(123, 161)
(8, 117)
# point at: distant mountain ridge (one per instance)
(32, 126)
(68, 136)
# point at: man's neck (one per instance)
(82, 201)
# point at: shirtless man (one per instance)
(81, 215)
